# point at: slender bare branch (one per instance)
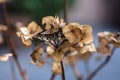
(11, 43)
(100, 67)
(63, 73)
(52, 77)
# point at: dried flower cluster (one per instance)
(62, 40)
(105, 41)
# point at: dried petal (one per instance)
(5, 57)
(104, 49)
(36, 53)
(48, 21)
(27, 42)
(87, 38)
(24, 30)
(34, 27)
(50, 50)
(87, 29)
(56, 68)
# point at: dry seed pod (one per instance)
(34, 27)
(56, 68)
(36, 53)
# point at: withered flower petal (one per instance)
(56, 68)
(34, 27)
(36, 53)
(87, 29)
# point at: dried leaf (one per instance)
(56, 68)
(24, 30)
(5, 57)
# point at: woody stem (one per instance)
(11, 42)
(63, 73)
(100, 67)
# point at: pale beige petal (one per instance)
(50, 50)
(27, 42)
(87, 29)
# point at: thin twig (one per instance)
(12, 66)
(52, 77)
(65, 11)
(75, 70)
(63, 73)
(101, 66)
(11, 43)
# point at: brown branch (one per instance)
(12, 66)
(75, 70)
(101, 66)
(52, 77)
(65, 11)
(63, 73)
(11, 43)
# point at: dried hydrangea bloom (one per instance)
(52, 24)
(104, 42)
(36, 53)
(56, 68)
(26, 33)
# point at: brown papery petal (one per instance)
(88, 38)
(87, 29)
(27, 42)
(33, 27)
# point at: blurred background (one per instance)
(103, 15)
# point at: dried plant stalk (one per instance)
(101, 66)
(11, 43)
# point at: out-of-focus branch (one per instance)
(63, 73)
(11, 43)
(75, 70)
(52, 77)
(101, 66)
(65, 11)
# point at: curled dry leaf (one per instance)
(36, 53)
(5, 57)
(56, 68)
